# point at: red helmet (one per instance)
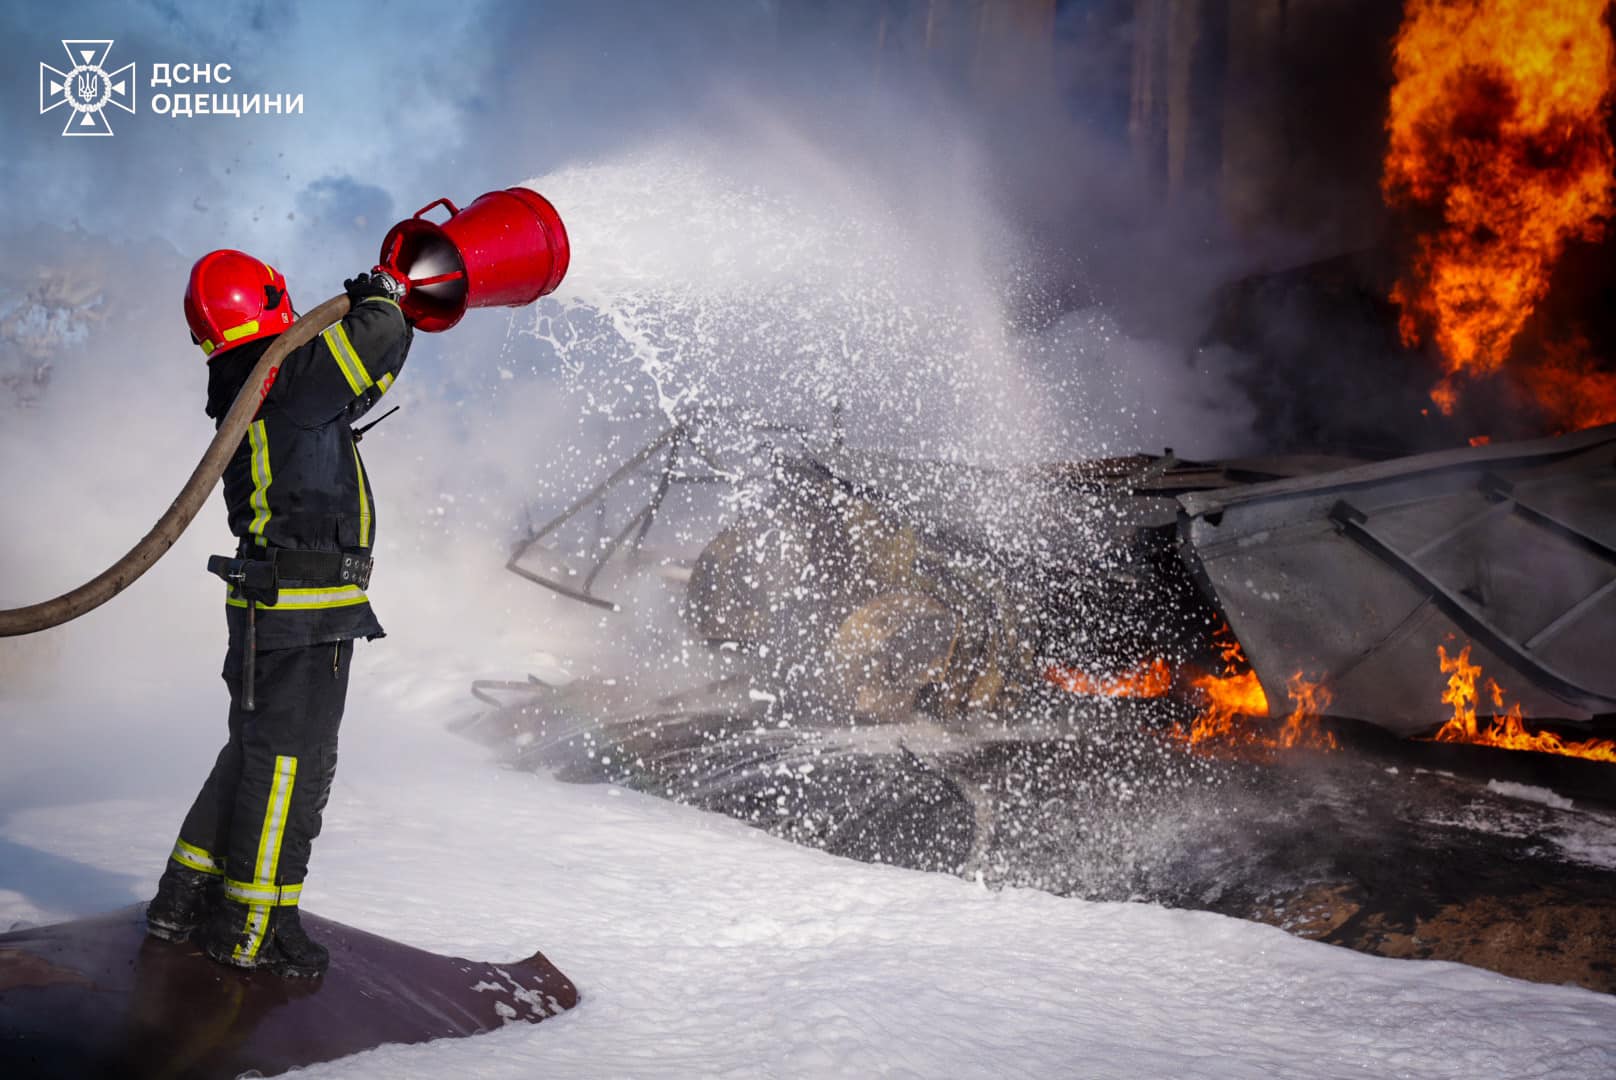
(233, 298)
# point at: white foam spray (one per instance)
(765, 278)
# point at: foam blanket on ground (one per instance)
(708, 948)
(97, 997)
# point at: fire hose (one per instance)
(123, 573)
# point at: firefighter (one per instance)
(301, 506)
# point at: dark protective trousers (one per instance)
(257, 815)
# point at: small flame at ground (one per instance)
(1234, 703)
(1150, 680)
(1497, 129)
(1308, 702)
(1506, 728)
(1234, 706)
(1230, 700)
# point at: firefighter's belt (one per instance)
(261, 579)
(322, 567)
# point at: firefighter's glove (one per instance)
(374, 283)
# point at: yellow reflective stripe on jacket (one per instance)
(341, 360)
(347, 358)
(258, 442)
(385, 381)
(267, 864)
(364, 501)
(189, 855)
(246, 892)
(353, 356)
(308, 599)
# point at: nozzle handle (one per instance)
(453, 209)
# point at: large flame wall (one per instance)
(1498, 135)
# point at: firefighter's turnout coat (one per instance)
(296, 482)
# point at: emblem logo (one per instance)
(86, 88)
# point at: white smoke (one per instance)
(768, 271)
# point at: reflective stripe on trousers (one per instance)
(195, 858)
(263, 892)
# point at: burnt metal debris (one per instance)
(1359, 574)
(568, 577)
(886, 585)
(881, 633)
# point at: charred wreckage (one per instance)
(1121, 678)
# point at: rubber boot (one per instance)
(291, 952)
(183, 901)
(286, 949)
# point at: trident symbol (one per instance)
(86, 88)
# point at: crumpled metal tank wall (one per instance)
(1355, 577)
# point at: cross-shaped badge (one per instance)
(86, 88)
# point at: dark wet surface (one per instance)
(97, 997)
(1390, 847)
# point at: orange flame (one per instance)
(1309, 701)
(1150, 680)
(1497, 128)
(1507, 730)
(1570, 387)
(1230, 699)
(1234, 699)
